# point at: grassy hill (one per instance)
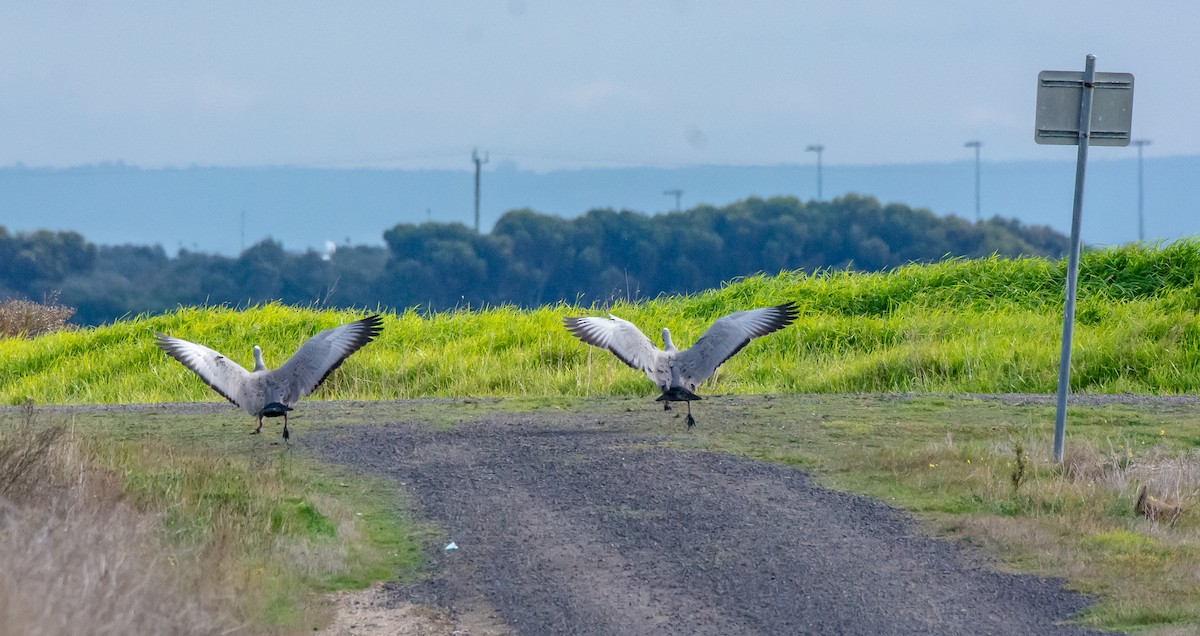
(987, 325)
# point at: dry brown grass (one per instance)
(1133, 509)
(25, 318)
(75, 559)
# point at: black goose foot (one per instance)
(666, 406)
(691, 421)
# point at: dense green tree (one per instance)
(528, 258)
(33, 263)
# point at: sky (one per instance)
(547, 85)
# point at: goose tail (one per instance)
(677, 394)
(275, 409)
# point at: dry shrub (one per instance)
(25, 318)
(1084, 463)
(75, 559)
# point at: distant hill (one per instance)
(200, 208)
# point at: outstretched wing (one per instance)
(626, 342)
(321, 354)
(222, 374)
(727, 336)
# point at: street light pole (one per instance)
(976, 145)
(677, 193)
(478, 167)
(1141, 218)
(817, 148)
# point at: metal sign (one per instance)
(1079, 109)
(1059, 95)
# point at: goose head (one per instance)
(667, 345)
(258, 361)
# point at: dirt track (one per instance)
(569, 525)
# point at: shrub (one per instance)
(28, 319)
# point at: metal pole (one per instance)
(817, 148)
(478, 164)
(678, 194)
(1141, 219)
(1064, 360)
(976, 145)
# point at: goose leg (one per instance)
(690, 420)
(259, 429)
(666, 405)
(286, 435)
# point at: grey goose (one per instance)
(267, 392)
(678, 373)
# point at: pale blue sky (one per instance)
(570, 84)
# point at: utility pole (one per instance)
(817, 148)
(478, 164)
(1141, 219)
(975, 144)
(677, 193)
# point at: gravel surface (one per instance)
(567, 525)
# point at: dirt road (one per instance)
(566, 524)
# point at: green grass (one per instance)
(952, 462)
(281, 529)
(277, 528)
(989, 325)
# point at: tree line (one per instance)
(527, 259)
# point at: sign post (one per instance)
(1079, 109)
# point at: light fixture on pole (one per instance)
(478, 168)
(817, 148)
(976, 144)
(677, 193)
(1141, 218)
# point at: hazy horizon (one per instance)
(201, 208)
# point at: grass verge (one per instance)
(278, 530)
(267, 531)
(980, 470)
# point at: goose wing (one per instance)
(727, 336)
(222, 374)
(321, 354)
(625, 341)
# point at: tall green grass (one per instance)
(987, 325)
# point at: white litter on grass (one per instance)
(450, 546)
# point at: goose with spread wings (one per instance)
(267, 392)
(677, 373)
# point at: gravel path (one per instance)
(568, 525)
